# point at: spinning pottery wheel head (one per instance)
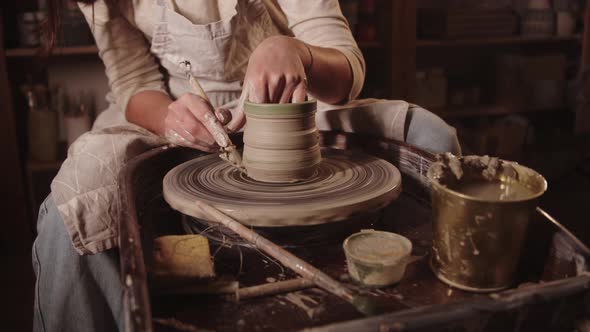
(344, 183)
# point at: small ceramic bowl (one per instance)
(377, 258)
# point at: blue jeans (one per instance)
(73, 292)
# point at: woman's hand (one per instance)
(191, 121)
(276, 71)
(275, 74)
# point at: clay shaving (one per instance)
(490, 166)
(306, 303)
(231, 155)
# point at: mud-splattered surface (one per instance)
(419, 288)
(232, 155)
(449, 168)
(344, 183)
(481, 177)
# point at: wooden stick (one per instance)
(291, 261)
(228, 149)
(197, 89)
(211, 287)
(273, 288)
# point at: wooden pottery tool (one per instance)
(228, 150)
(363, 304)
(273, 288)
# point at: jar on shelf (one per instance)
(431, 88)
(75, 30)
(77, 121)
(29, 28)
(42, 133)
(538, 18)
(366, 30)
(566, 23)
(350, 10)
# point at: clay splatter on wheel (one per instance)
(345, 183)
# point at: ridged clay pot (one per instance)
(281, 141)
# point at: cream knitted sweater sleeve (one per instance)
(321, 23)
(131, 68)
(125, 52)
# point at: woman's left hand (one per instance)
(275, 74)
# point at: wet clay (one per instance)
(376, 258)
(231, 155)
(344, 183)
(493, 190)
(449, 168)
(376, 249)
(281, 142)
(482, 177)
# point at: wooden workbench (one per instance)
(548, 294)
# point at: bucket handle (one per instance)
(579, 244)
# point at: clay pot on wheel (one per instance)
(281, 141)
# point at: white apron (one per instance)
(86, 190)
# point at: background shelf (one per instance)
(37, 166)
(369, 44)
(484, 110)
(58, 51)
(509, 40)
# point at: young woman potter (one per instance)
(273, 51)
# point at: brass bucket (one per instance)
(477, 241)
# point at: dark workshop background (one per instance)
(505, 73)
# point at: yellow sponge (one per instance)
(183, 256)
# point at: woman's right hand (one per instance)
(191, 121)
